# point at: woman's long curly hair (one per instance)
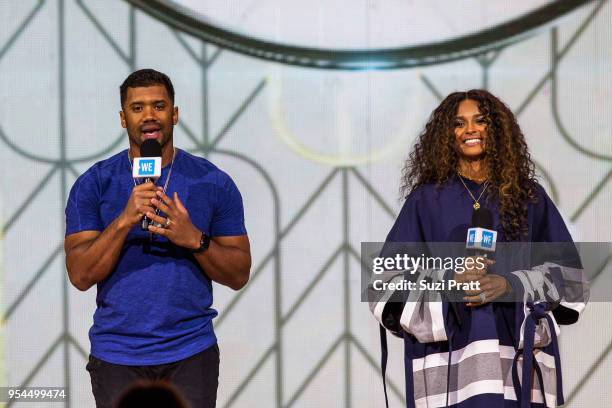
(434, 158)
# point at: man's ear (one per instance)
(175, 115)
(122, 117)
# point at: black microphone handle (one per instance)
(144, 224)
(478, 253)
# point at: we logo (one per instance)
(146, 167)
(471, 237)
(487, 239)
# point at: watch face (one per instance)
(356, 24)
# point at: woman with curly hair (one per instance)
(472, 158)
(500, 162)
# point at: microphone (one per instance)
(148, 167)
(481, 238)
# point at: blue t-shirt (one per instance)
(155, 307)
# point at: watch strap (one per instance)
(204, 243)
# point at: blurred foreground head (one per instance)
(151, 394)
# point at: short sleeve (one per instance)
(228, 215)
(83, 207)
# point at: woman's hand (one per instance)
(474, 273)
(492, 286)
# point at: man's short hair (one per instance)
(144, 78)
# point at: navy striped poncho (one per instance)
(486, 342)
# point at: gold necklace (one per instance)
(476, 200)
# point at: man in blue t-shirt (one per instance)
(154, 301)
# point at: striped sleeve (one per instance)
(418, 311)
(557, 273)
(386, 305)
(423, 314)
(565, 286)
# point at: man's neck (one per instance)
(167, 154)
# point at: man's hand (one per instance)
(138, 204)
(177, 225)
(228, 258)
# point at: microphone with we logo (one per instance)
(148, 167)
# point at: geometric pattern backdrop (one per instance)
(317, 156)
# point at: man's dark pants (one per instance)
(196, 377)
